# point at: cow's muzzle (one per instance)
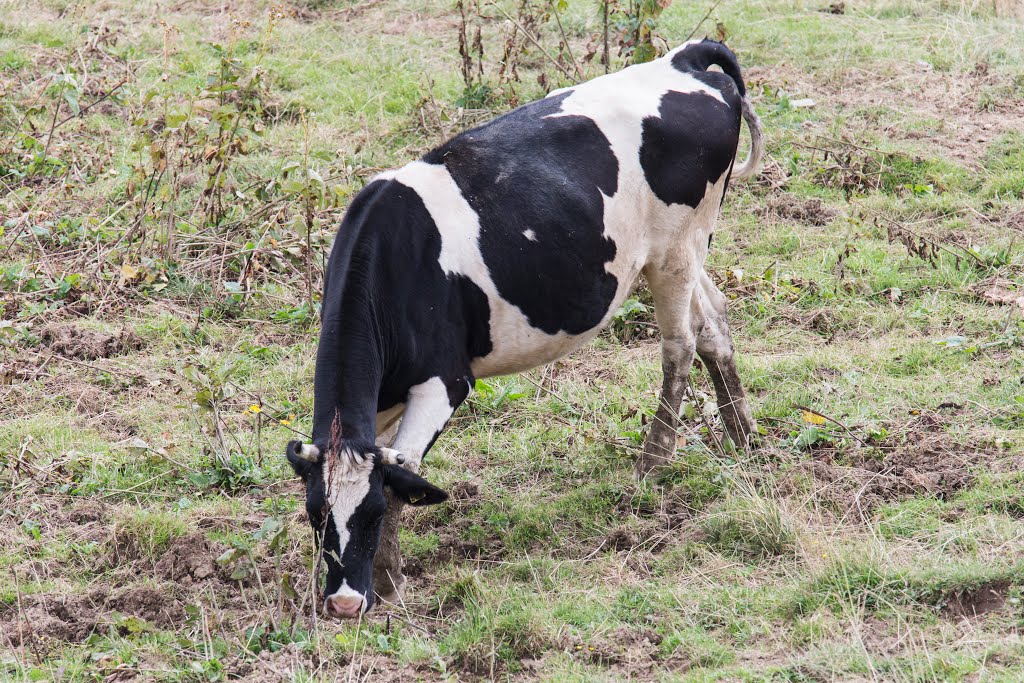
(345, 606)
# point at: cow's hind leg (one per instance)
(427, 410)
(714, 345)
(672, 285)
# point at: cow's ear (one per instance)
(412, 488)
(303, 458)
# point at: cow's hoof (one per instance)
(392, 598)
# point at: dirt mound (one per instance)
(72, 342)
(464, 491)
(146, 602)
(631, 650)
(928, 467)
(274, 667)
(810, 211)
(189, 558)
(621, 538)
(972, 602)
(87, 511)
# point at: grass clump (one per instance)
(496, 634)
(695, 478)
(750, 526)
(1004, 161)
(147, 533)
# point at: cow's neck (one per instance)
(352, 353)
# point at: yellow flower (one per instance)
(291, 416)
(254, 409)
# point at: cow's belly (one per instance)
(518, 346)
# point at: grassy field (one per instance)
(160, 257)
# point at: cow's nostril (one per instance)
(344, 606)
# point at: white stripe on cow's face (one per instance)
(346, 483)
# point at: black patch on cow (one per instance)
(690, 143)
(536, 183)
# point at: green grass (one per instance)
(853, 549)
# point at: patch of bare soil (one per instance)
(70, 341)
(968, 603)
(630, 652)
(999, 291)
(790, 208)
(823, 321)
(274, 667)
(87, 512)
(926, 465)
(622, 537)
(1008, 8)
(45, 619)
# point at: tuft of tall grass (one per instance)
(750, 525)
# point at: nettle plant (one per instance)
(188, 191)
(214, 126)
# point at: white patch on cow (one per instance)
(646, 231)
(530, 235)
(347, 478)
(426, 413)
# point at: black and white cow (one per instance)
(506, 248)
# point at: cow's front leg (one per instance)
(672, 300)
(427, 410)
(714, 345)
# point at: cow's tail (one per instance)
(753, 161)
(698, 56)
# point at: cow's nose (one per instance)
(344, 606)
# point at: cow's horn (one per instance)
(309, 452)
(389, 456)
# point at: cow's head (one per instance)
(346, 503)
